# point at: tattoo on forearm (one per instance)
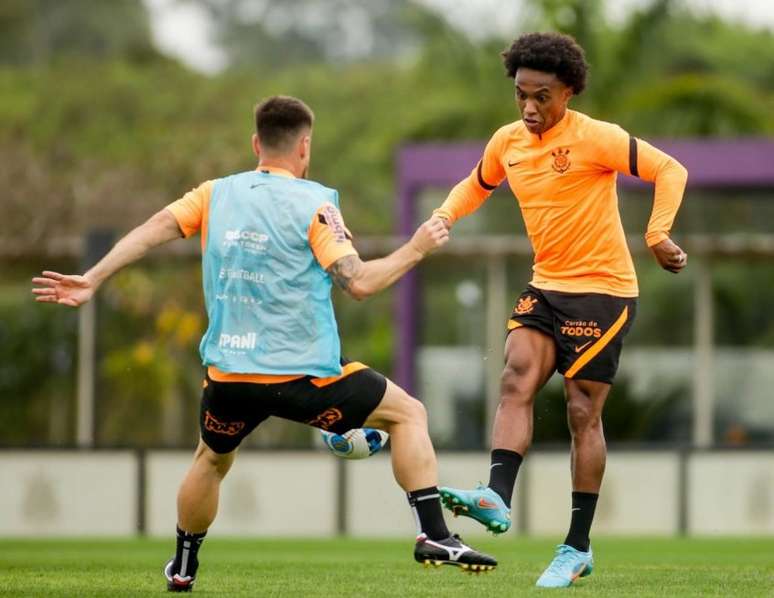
(344, 270)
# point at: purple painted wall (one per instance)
(711, 163)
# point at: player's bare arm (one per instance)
(362, 279)
(344, 270)
(74, 290)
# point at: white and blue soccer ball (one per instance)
(357, 443)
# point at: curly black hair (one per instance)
(551, 53)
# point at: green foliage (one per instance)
(271, 36)
(149, 365)
(742, 303)
(377, 318)
(707, 77)
(44, 31)
(697, 105)
(97, 130)
(155, 129)
(37, 367)
(626, 419)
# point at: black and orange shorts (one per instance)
(231, 410)
(588, 329)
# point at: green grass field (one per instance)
(371, 569)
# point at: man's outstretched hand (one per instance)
(669, 255)
(68, 289)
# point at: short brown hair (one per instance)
(279, 120)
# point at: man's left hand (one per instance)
(669, 255)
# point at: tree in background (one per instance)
(40, 32)
(261, 36)
(666, 71)
(97, 130)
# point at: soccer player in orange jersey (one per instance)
(562, 166)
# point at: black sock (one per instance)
(503, 471)
(583, 506)
(426, 504)
(187, 554)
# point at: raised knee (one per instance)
(218, 463)
(408, 410)
(414, 410)
(405, 412)
(580, 415)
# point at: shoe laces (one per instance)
(482, 488)
(458, 539)
(563, 558)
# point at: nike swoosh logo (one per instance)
(494, 465)
(583, 346)
(512, 164)
(485, 504)
(257, 185)
(574, 509)
(578, 571)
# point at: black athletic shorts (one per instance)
(588, 329)
(231, 410)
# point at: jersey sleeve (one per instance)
(627, 154)
(469, 194)
(190, 210)
(328, 236)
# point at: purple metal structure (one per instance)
(730, 163)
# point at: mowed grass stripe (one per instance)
(364, 568)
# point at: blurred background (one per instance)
(109, 110)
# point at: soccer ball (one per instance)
(357, 443)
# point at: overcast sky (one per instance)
(183, 30)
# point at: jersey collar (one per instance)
(556, 130)
(275, 170)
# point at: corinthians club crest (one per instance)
(561, 159)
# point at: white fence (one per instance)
(117, 493)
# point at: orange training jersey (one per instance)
(565, 183)
(328, 238)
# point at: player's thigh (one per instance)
(229, 412)
(397, 407)
(530, 352)
(530, 360)
(335, 404)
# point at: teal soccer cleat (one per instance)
(568, 565)
(482, 504)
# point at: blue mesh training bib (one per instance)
(268, 299)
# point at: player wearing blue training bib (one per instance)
(273, 244)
